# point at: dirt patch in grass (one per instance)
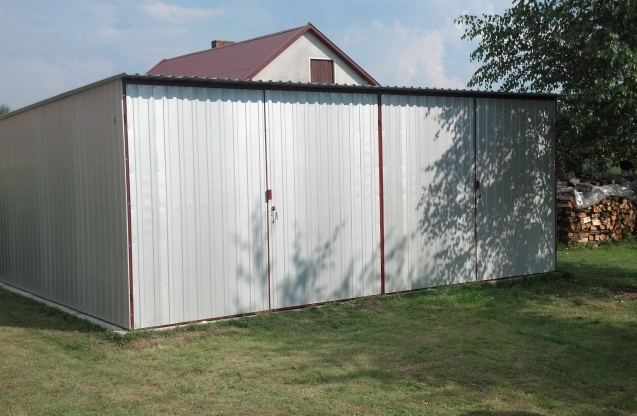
(374, 305)
(627, 293)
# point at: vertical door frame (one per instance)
(476, 187)
(268, 199)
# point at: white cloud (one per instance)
(110, 33)
(31, 79)
(86, 71)
(412, 57)
(36, 79)
(171, 12)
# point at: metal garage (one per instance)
(148, 201)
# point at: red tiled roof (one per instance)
(244, 60)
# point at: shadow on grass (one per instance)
(22, 312)
(489, 413)
(515, 338)
(557, 342)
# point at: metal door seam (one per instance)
(475, 181)
(267, 202)
(381, 195)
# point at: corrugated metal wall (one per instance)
(197, 169)
(516, 211)
(200, 162)
(323, 163)
(198, 181)
(428, 169)
(63, 203)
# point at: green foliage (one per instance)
(4, 109)
(585, 50)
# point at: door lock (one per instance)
(273, 214)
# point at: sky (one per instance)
(48, 47)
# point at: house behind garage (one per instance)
(302, 54)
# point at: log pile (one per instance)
(609, 220)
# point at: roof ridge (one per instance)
(236, 43)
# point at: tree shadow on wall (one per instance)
(507, 225)
(429, 206)
(445, 208)
(306, 272)
(323, 271)
(516, 211)
(251, 269)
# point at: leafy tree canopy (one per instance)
(585, 50)
(4, 109)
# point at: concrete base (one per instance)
(65, 309)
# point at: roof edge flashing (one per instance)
(65, 95)
(280, 85)
(289, 85)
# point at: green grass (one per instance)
(545, 345)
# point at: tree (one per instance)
(585, 50)
(4, 109)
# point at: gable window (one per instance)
(322, 70)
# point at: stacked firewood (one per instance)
(609, 220)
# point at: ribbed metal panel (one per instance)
(428, 191)
(197, 169)
(63, 203)
(516, 211)
(201, 157)
(323, 164)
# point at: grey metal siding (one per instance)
(323, 164)
(516, 211)
(63, 203)
(428, 170)
(197, 170)
(203, 234)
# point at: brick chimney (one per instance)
(221, 43)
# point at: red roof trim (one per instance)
(311, 28)
(342, 54)
(277, 52)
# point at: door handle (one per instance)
(273, 214)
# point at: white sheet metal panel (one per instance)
(197, 170)
(428, 170)
(516, 211)
(63, 226)
(323, 164)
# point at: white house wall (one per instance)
(197, 171)
(428, 191)
(516, 208)
(63, 228)
(324, 213)
(293, 64)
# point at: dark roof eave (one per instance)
(358, 89)
(287, 86)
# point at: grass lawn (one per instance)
(545, 345)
